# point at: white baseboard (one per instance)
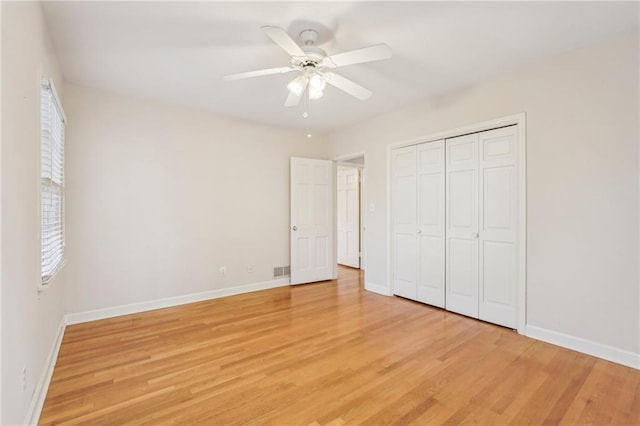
(40, 393)
(589, 347)
(376, 288)
(116, 311)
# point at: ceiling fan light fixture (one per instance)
(314, 93)
(297, 85)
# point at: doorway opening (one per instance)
(350, 220)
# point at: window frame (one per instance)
(47, 84)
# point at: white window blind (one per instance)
(52, 124)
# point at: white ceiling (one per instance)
(178, 52)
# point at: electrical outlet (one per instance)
(24, 379)
(223, 271)
(250, 269)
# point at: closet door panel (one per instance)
(463, 273)
(497, 273)
(498, 233)
(462, 267)
(405, 241)
(431, 288)
(463, 203)
(405, 272)
(431, 223)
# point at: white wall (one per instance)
(29, 320)
(159, 197)
(582, 170)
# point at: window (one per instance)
(52, 122)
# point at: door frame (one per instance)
(343, 160)
(516, 119)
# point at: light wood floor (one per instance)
(326, 353)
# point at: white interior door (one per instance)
(431, 223)
(462, 225)
(405, 229)
(311, 220)
(348, 216)
(498, 229)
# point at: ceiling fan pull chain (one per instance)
(305, 114)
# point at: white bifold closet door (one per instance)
(419, 223)
(498, 218)
(462, 225)
(405, 223)
(431, 223)
(454, 209)
(481, 258)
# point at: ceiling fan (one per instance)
(314, 66)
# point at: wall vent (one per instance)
(281, 271)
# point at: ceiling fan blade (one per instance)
(359, 56)
(292, 100)
(347, 86)
(259, 73)
(282, 39)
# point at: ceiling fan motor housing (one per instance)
(308, 37)
(314, 55)
(314, 58)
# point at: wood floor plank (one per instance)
(325, 354)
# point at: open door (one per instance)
(348, 214)
(311, 220)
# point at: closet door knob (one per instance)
(295, 228)
(419, 231)
(476, 235)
